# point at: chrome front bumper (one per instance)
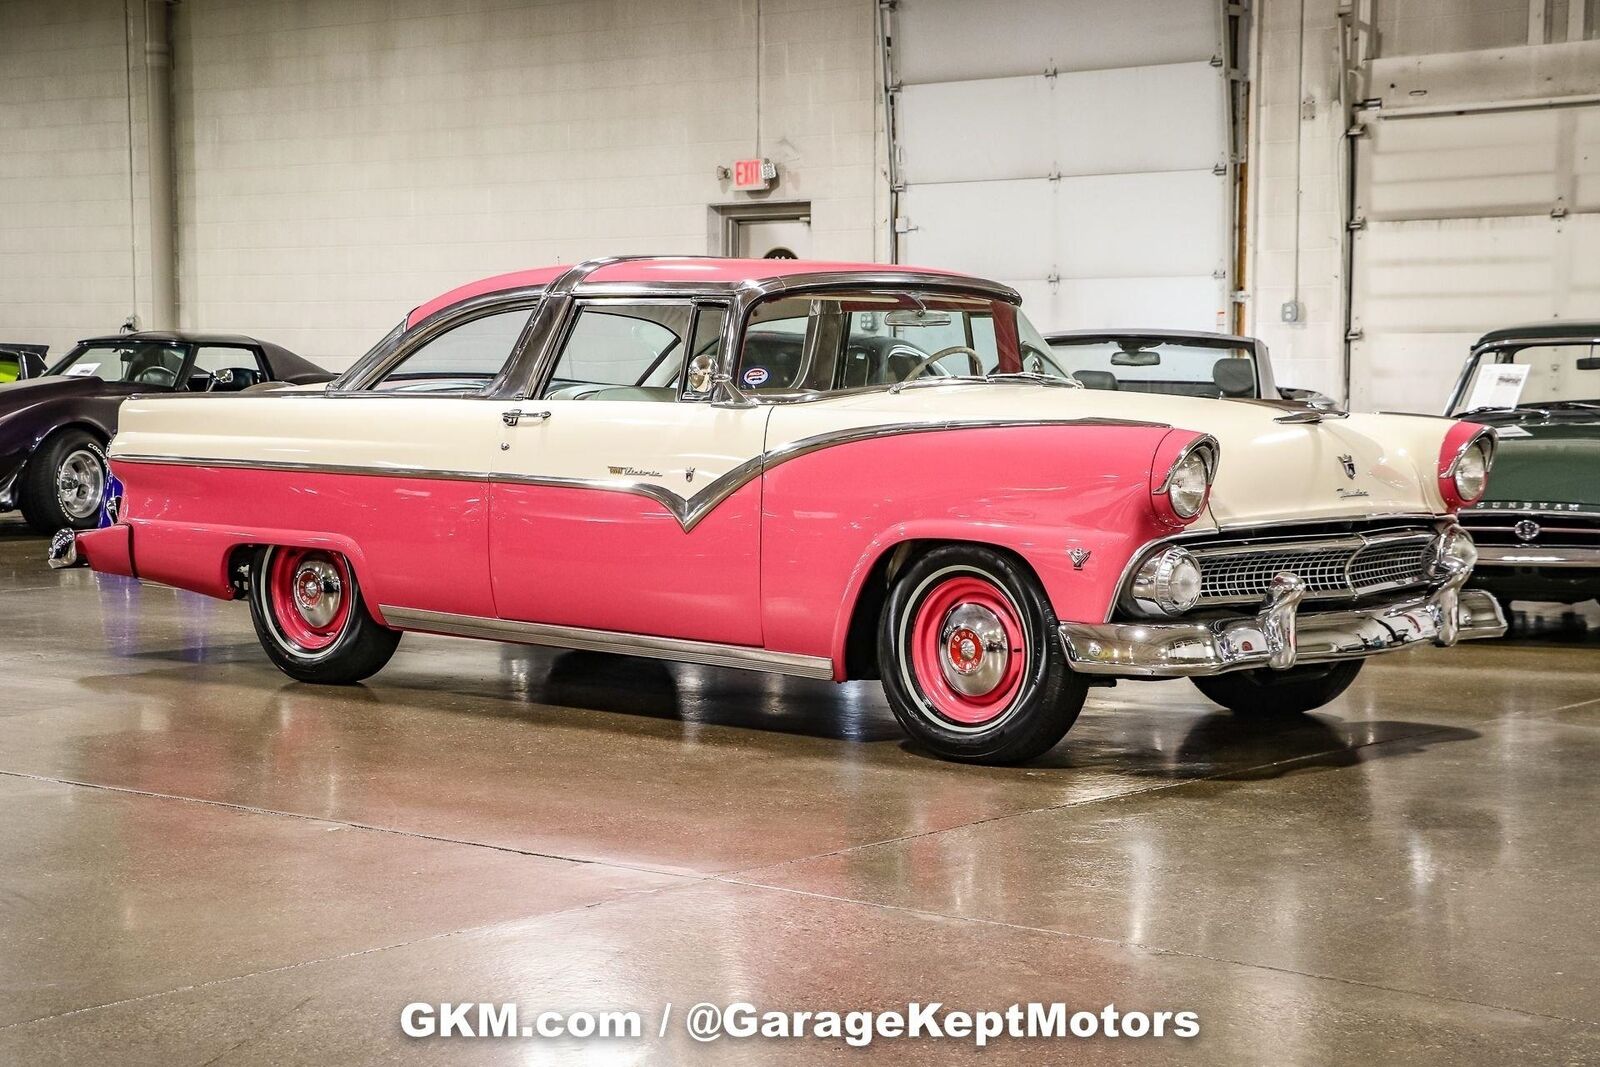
(1280, 637)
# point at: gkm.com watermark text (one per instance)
(739, 1020)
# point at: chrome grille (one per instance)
(1349, 566)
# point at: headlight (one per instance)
(1472, 472)
(1187, 486)
(1167, 583)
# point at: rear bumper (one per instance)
(109, 550)
(1280, 637)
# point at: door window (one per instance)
(461, 361)
(862, 339)
(622, 350)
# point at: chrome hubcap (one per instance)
(976, 652)
(317, 592)
(80, 484)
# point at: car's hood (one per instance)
(1270, 471)
(1554, 460)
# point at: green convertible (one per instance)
(1538, 529)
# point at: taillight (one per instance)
(1180, 481)
(1465, 459)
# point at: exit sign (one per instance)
(752, 174)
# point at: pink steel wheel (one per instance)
(309, 592)
(968, 650)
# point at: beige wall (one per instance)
(340, 161)
(69, 242)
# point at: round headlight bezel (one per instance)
(1167, 582)
(1188, 485)
(1180, 488)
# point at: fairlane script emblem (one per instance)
(1349, 465)
(1078, 556)
(633, 472)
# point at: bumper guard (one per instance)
(1280, 637)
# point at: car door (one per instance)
(420, 437)
(625, 500)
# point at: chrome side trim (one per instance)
(624, 644)
(304, 468)
(1537, 556)
(687, 510)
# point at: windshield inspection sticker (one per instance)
(755, 376)
(1498, 385)
(83, 370)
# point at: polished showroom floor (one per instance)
(202, 862)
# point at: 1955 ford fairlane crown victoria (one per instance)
(827, 470)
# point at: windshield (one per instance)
(155, 363)
(1537, 376)
(1154, 365)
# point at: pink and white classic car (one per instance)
(827, 470)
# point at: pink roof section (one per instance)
(659, 269)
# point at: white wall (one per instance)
(67, 255)
(341, 161)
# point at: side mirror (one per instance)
(701, 370)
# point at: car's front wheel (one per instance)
(1264, 691)
(311, 619)
(970, 659)
(64, 485)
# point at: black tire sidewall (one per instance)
(1051, 694)
(38, 501)
(1265, 692)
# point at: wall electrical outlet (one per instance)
(1291, 311)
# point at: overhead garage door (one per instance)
(1074, 149)
(1470, 222)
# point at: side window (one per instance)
(705, 351)
(855, 340)
(462, 360)
(10, 367)
(773, 356)
(622, 350)
(223, 368)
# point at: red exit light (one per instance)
(753, 173)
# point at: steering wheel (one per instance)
(1040, 359)
(974, 362)
(156, 376)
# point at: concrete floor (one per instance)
(204, 863)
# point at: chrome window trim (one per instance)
(435, 325)
(689, 511)
(621, 643)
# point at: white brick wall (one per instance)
(341, 161)
(66, 264)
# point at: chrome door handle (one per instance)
(510, 418)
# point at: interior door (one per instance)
(622, 499)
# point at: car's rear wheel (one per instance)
(970, 660)
(64, 486)
(1268, 692)
(311, 619)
